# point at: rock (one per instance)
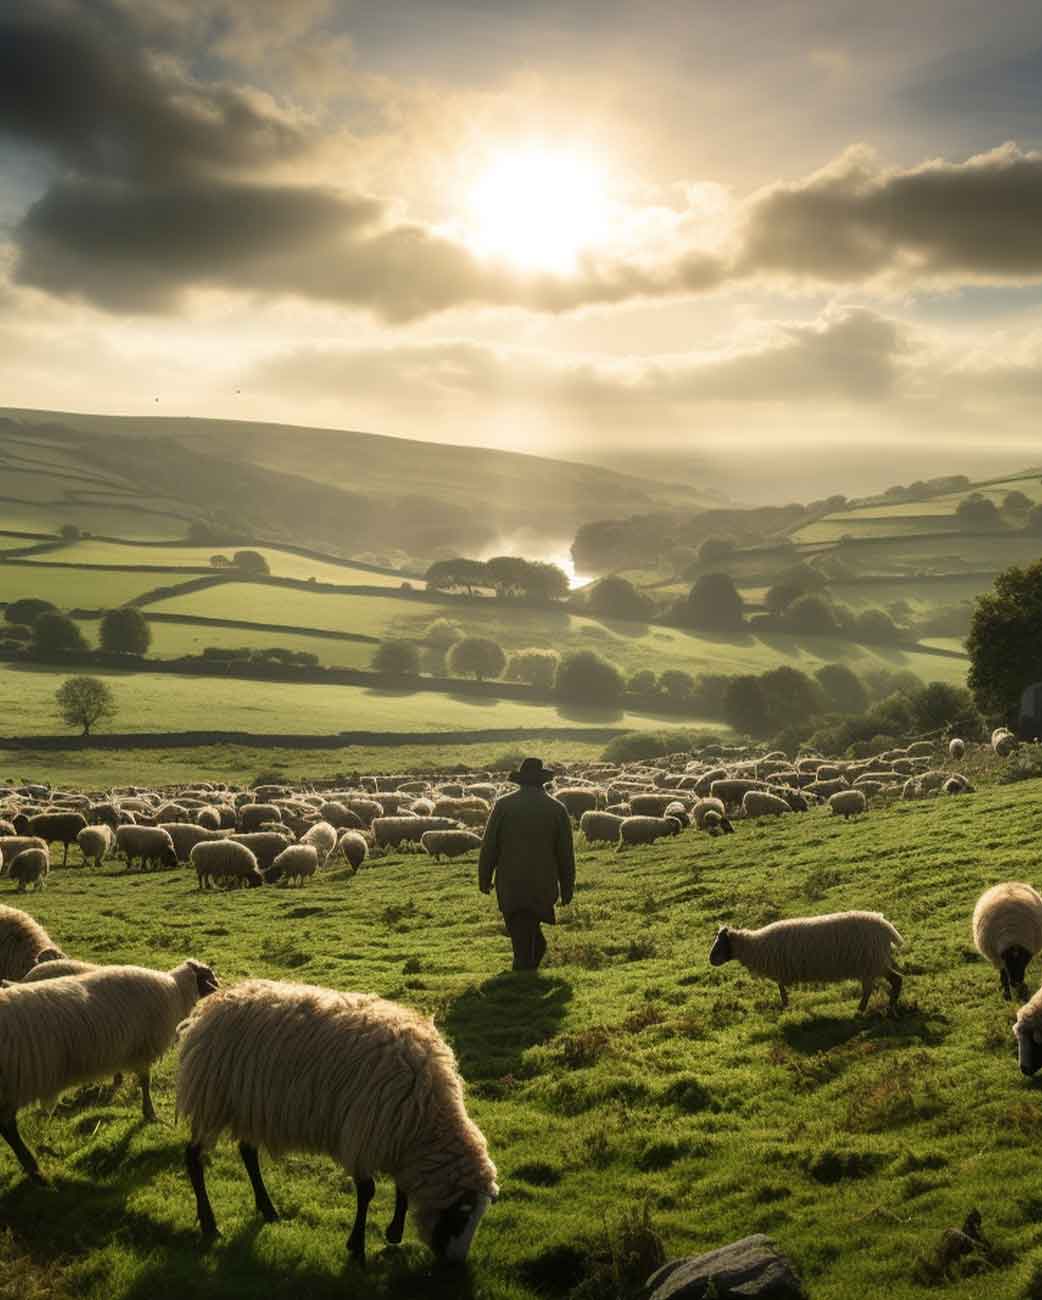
(746, 1268)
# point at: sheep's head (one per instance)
(1015, 961)
(449, 1230)
(721, 949)
(49, 954)
(205, 979)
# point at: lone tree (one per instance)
(250, 562)
(399, 658)
(54, 631)
(83, 701)
(477, 656)
(125, 631)
(1004, 640)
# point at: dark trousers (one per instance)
(527, 938)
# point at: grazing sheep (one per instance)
(956, 748)
(367, 809)
(171, 812)
(645, 830)
(933, 780)
(12, 845)
(1007, 930)
(322, 838)
(1003, 741)
(30, 867)
(705, 781)
(391, 832)
(294, 1067)
(732, 790)
(208, 818)
(264, 845)
(600, 827)
(449, 844)
(96, 842)
(826, 789)
(296, 862)
(58, 828)
(704, 806)
(678, 810)
(919, 748)
(224, 860)
(354, 848)
(816, 950)
(761, 803)
(715, 824)
(957, 784)
(339, 816)
(55, 970)
(78, 1028)
(577, 799)
(252, 816)
(149, 843)
(186, 835)
(23, 943)
(1028, 1033)
(651, 805)
(847, 803)
(422, 807)
(912, 788)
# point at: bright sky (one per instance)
(658, 235)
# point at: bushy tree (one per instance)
(84, 701)
(1005, 637)
(642, 682)
(716, 550)
(27, 610)
(713, 604)
(813, 615)
(250, 562)
(710, 689)
(1033, 523)
(745, 705)
(677, 685)
(1016, 502)
(459, 574)
(585, 677)
(54, 631)
(791, 696)
(792, 584)
(70, 533)
(875, 626)
(882, 682)
(844, 690)
(535, 666)
(545, 581)
(940, 705)
(125, 631)
(398, 658)
(477, 656)
(443, 633)
(978, 513)
(617, 597)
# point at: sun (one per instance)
(539, 209)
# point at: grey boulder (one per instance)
(750, 1267)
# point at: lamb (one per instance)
(1007, 930)
(956, 748)
(30, 867)
(58, 828)
(224, 860)
(96, 842)
(391, 832)
(449, 844)
(322, 838)
(600, 827)
(264, 845)
(645, 830)
(295, 862)
(761, 803)
(149, 843)
(354, 847)
(295, 1067)
(817, 949)
(78, 1028)
(847, 803)
(23, 943)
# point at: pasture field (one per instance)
(150, 702)
(73, 588)
(115, 520)
(833, 527)
(171, 640)
(922, 595)
(626, 1075)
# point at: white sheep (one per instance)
(56, 969)
(449, 844)
(294, 1067)
(252, 816)
(1003, 741)
(645, 830)
(23, 943)
(1007, 931)
(264, 845)
(30, 867)
(186, 835)
(1028, 1033)
(226, 860)
(153, 846)
(354, 847)
(761, 803)
(96, 843)
(322, 837)
(956, 748)
(847, 803)
(600, 827)
(12, 845)
(78, 1028)
(817, 950)
(957, 784)
(391, 832)
(294, 863)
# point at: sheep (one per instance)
(918, 748)
(651, 805)
(149, 843)
(1003, 741)
(706, 805)
(54, 970)
(322, 837)
(817, 949)
(912, 788)
(209, 818)
(23, 943)
(1007, 931)
(264, 845)
(957, 784)
(715, 824)
(186, 835)
(339, 817)
(171, 812)
(295, 1067)
(577, 799)
(600, 827)
(422, 807)
(253, 815)
(354, 848)
(847, 803)
(78, 1028)
(367, 809)
(390, 832)
(731, 790)
(58, 828)
(956, 748)
(1028, 1033)
(826, 789)
(761, 803)
(12, 845)
(645, 830)
(297, 861)
(96, 842)
(224, 860)
(449, 844)
(933, 779)
(30, 867)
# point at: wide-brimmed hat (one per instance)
(532, 772)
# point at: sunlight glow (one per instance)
(538, 209)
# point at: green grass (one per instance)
(171, 640)
(116, 521)
(627, 1071)
(72, 588)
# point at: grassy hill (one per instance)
(626, 1074)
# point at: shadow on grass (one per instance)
(910, 1026)
(491, 1026)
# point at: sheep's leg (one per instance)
(784, 995)
(65, 859)
(260, 1193)
(203, 1208)
(147, 1109)
(895, 988)
(1004, 982)
(396, 1228)
(9, 1132)
(866, 992)
(365, 1190)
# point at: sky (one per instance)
(767, 245)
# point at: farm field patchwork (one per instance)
(116, 520)
(72, 588)
(627, 1075)
(172, 640)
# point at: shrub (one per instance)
(535, 666)
(125, 631)
(615, 597)
(716, 550)
(398, 658)
(713, 603)
(585, 677)
(791, 696)
(677, 685)
(637, 745)
(1005, 634)
(843, 688)
(977, 512)
(443, 633)
(875, 626)
(811, 614)
(938, 705)
(477, 656)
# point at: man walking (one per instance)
(528, 849)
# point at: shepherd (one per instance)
(527, 849)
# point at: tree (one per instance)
(54, 631)
(545, 581)
(978, 513)
(714, 603)
(125, 631)
(250, 562)
(507, 574)
(616, 597)
(940, 705)
(642, 682)
(1004, 640)
(70, 533)
(535, 666)
(716, 550)
(396, 658)
(1016, 502)
(677, 685)
(745, 705)
(27, 610)
(844, 690)
(458, 574)
(220, 562)
(477, 656)
(791, 697)
(813, 615)
(1033, 524)
(875, 625)
(585, 677)
(443, 633)
(791, 585)
(83, 701)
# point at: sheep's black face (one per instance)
(1029, 1050)
(449, 1232)
(721, 949)
(1016, 960)
(205, 979)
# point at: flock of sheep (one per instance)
(385, 1093)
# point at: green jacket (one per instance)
(528, 849)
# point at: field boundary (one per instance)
(292, 740)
